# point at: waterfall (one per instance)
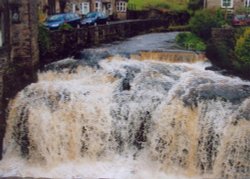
(130, 109)
(130, 119)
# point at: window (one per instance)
(121, 6)
(1, 29)
(84, 8)
(109, 8)
(227, 3)
(98, 6)
(74, 8)
(247, 3)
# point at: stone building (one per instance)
(117, 8)
(226, 4)
(121, 9)
(18, 51)
(4, 57)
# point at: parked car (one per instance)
(94, 18)
(241, 20)
(57, 20)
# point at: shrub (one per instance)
(203, 21)
(220, 54)
(65, 26)
(190, 41)
(43, 39)
(243, 10)
(161, 5)
(242, 48)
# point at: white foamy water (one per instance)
(130, 119)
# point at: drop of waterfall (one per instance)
(129, 118)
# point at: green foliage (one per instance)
(43, 39)
(160, 5)
(244, 10)
(65, 26)
(220, 54)
(242, 48)
(190, 41)
(203, 21)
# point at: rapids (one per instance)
(127, 117)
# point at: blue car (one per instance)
(55, 21)
(94, 18)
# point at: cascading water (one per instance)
(130, 119)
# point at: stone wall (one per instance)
(19, 56)
(4, 57)
(213, 4)
(220, 49)
(68, 42)
(24, 49)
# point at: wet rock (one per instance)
(141, 133)
(189, 92)
(125, 84)
(91, 57)
(244, 112)
(234, 94)
(21, 132)
(129, 77)
(61, 66)
(213, 91)
(213, 68)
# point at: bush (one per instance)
(203, 21)
(242, 48)
(220, 54)
(160, 5)
(65, 26)
(190, 41)
(43, 39)
(244, 10)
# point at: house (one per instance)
(49, 6)
(116, 8)
(226, 4)
(121, 9)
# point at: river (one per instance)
(117, 113)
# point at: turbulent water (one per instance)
(127, 118)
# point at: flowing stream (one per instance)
(117, 115)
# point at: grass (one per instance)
(165, 4)
(190, 41)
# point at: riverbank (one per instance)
(221, 52)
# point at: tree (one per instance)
(203, 21)
(242, 48)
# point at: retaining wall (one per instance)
(19, 53)
(65, 43)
